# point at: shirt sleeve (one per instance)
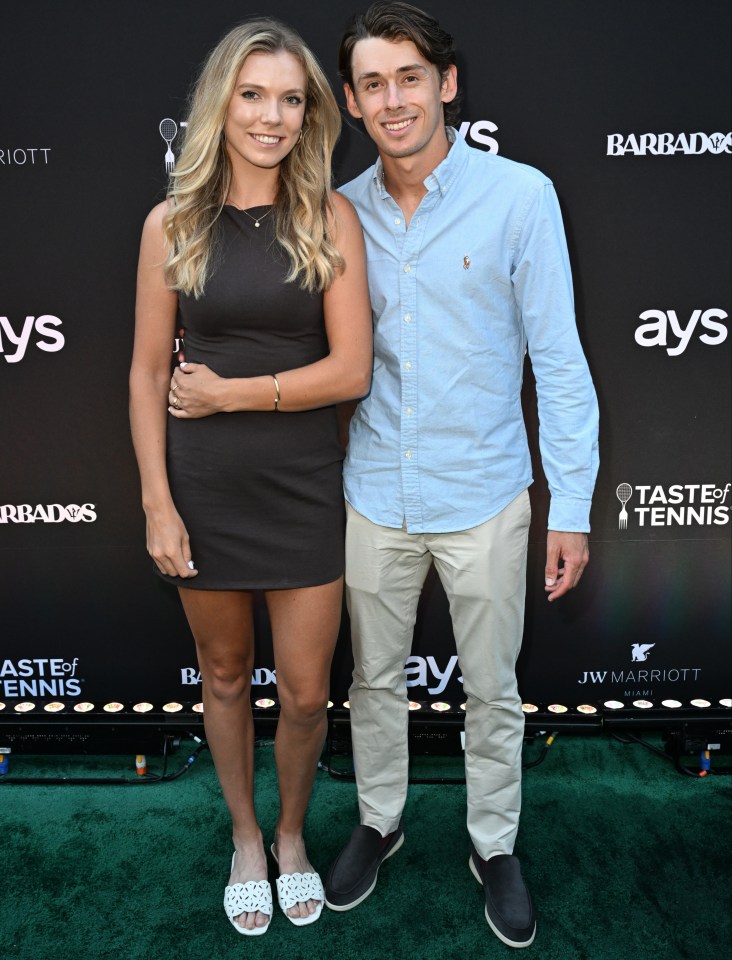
(568, 411)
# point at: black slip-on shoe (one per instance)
(508, 906)
(353, 874)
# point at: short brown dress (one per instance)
(260, 493)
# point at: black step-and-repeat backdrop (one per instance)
(626, 107)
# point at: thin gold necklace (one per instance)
(256, 220)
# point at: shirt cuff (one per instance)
(569, 515)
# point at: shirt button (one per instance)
(407, 268)
(408, 454)
(407, 317)
(397, 221)
(407, 365)
(409, 411)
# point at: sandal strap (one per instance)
(254, 896)
(293, 888)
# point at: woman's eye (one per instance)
(249, 94)
(295, 101)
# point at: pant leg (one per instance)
(385, 571)
(483, 571)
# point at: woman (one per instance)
(241, 476)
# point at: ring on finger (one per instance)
(176, 403)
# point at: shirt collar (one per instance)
(443, 174)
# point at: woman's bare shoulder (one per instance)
(154, 219)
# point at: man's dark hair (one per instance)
(395, 20)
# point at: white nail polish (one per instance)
(183, 363)
(191, 565)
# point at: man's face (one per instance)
(398, 95)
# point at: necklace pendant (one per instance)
(256, 223)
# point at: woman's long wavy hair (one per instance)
(200, 183)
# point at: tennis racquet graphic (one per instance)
(169, 131)
(623, 493)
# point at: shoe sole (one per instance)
(354, 903)
(253, 932)
(304, 921)
(501, 936)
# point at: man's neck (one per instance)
(404, 176)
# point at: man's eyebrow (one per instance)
(410, 68)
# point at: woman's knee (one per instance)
(305, 707)
(227, 681)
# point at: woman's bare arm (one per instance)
(344, 374)
(155, 313)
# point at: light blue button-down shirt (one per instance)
(481, 274)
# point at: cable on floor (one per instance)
(145, 779)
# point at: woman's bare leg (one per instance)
(304, 631)
(221, 622)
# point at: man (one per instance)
(467, 267)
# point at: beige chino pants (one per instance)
(483, 573)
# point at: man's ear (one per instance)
(351, 102)
(448, 87)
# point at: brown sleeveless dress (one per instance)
(260, 493)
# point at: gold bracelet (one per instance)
(277, 398)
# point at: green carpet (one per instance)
(624, 856)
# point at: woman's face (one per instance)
(266, 109)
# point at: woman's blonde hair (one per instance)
(200, 183)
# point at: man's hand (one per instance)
(572, 551)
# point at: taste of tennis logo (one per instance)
(40, 677)
(681, 505)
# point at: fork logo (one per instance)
(168, 131)
(623, 493)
